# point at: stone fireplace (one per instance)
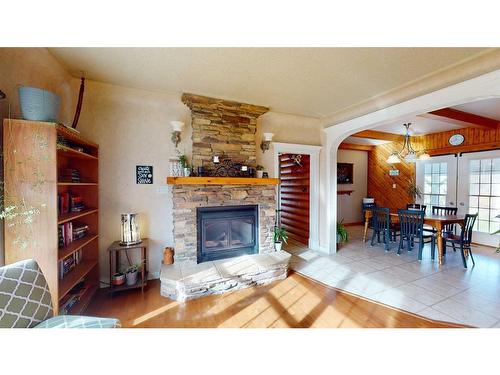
(222, 226)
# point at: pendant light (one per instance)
(407, 152)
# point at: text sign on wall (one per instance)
(144, 174)
(394, 172)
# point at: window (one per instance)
(435, 184)
(484, 193)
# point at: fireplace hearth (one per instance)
(227, 232)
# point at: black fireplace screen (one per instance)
(226, 232)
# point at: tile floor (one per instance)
(448, 292)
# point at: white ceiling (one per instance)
(313, 82)
(487, 108)
(419, 126)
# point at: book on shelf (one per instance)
(69, 175)
(71, 231)
(70, 262)
(73, 297)
(67, 202)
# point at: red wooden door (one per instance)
(294, 196)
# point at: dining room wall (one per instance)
(388, 191)
(349, 206)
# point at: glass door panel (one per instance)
(436, 178)
(479, 192)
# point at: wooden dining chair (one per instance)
(448, 228)
(381, 221)
(412, 230)
(465, 238)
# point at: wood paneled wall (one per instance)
(380, 183)
(476, 139)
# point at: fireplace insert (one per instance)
(227, 231)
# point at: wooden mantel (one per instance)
(221, 181)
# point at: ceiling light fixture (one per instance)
(407, 152)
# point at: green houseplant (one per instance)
(342, 235)
(280, 236)
(413, 190)
(183, 160)
(131, 274)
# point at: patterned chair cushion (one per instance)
(24, 295)
(74, 321)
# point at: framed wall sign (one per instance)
(144, 174)
(393, 172)
(344, 173)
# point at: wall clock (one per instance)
(456, 139)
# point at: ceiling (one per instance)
(314, 82)
(419, 126)
(487, 108)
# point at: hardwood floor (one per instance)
(293, 302)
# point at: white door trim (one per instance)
(313, 152)
(483, 87)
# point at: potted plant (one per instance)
(413, 190)
(342, 235)
(260, 171)
(280, 236)
(131, 274)
(184, 165)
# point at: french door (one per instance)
(470, 182)
(437, 179)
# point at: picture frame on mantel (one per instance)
(345, 173)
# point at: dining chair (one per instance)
(412, 224)
(381, 221)
(465, 238)
(448, 228)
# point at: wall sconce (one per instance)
(176, 134)
(266, 141)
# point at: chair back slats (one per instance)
(466, 235)
(441, 210)
(411, 222)
(381, 218)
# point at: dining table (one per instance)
(438, 222)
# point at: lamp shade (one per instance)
(424, 156)
(268, 137)
(393, 158)
(131, 233)
(411, 157)
(177, 125)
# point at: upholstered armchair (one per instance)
(25, 301)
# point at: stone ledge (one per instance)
(185, 281)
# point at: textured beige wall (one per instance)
(33, 67)
(349, 206)
(132, 127)
(287, 129)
